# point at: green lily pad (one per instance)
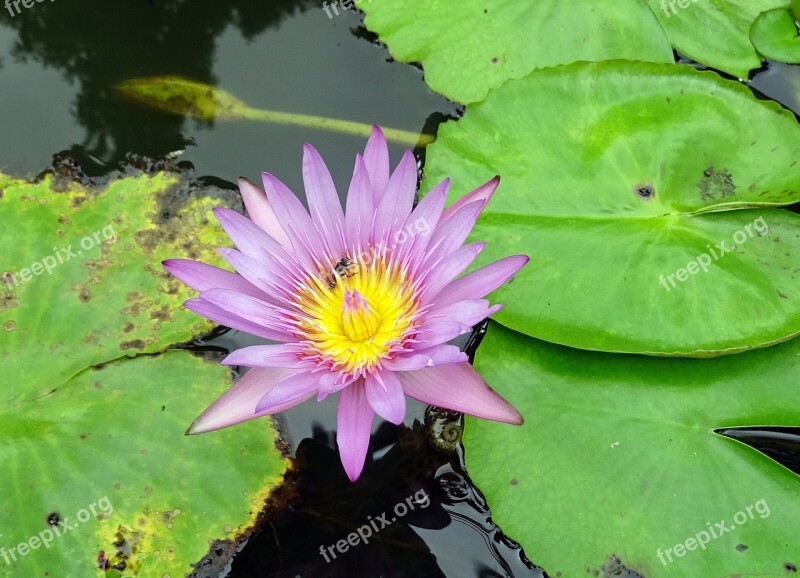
(774, 34)
(624, 183)
(469, 48)
(84, 284)
(714, 32)
(107, 453)
(618, 460)
(84, 429)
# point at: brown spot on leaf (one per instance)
(716, 184)
(614, 568)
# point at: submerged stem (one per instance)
(354, 128)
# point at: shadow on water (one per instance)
(59, 61)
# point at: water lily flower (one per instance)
(362, 300)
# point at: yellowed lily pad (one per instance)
(98, 477)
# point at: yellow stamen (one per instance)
(354, 324)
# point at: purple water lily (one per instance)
(363, 301)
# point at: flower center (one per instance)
(366, 315)
(360, 321)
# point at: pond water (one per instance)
(58, 61)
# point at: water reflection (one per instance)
(95, 45)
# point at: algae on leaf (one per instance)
(92, 440)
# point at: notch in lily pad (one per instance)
(775, 34)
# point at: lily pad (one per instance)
(84, 429)
(469, 48)
(625, 182)
(618, 460)
(774, 34)
(105, 454)
(714, 32)
(81, 281)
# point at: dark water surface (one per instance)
(58, 61)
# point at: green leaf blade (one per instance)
(487, 44)
(774, 34)
(644, 427)
(575, 147)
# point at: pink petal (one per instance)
(385, 395)
(280, 355)
(450, 235)
(267, 274)
(294, 217)
(397, 201)
(323, 201)
(360, 211)
(458, 387)
(202, 277)
(288, 391)
(254, 310)
(444, 271)
(480, 282)
(442, 354)
(248, 237)
(421, 224)
(354, 419)
(469, 312)
(376, 160)
(483, 194)
(238, 404)
(219, 315)
(285, 202)
(331, 383)
(408, 362)
(427, 357)
(261, 213)
(434, 332)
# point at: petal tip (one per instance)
(194, 428)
